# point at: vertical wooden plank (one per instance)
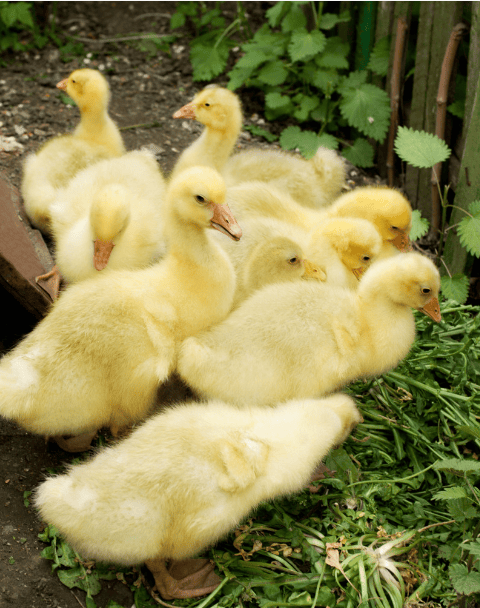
(468, 188)
(416, 118)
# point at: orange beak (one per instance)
(313, 271)
(224, 221)
(358, 272)
(101, 254)
(62, 84)
(432, 310)
(187, 111)
(402, 241)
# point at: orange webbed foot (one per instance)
(183, 579)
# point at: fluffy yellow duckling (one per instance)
(186, 477)
(308, 338)
(95, 138)
(220, 111)
(385, 207)
(312, 183)
(97, 358)
(110, 216)
(344, 248)
(270, 251)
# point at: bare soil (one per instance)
(146, 90)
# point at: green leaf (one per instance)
(455, 288)
(457, 108)
(256, 130)
(75, 577)
(457, 464)
(276, 101)
(273, 73)
(16, 11)
(330, 20)
(328, 141)
(306, 105)
(306, 141)
(239, 76)
(325, 80)
(177, 20)
(420, 149)
(208, 61)
(360, 154)
(367, 108)
(353, 81)
(276, 13)
(252, 59)
(420, 225)
(450, 493)
(473, 548)
(305, 45)
(294, 19)
(379, 57)
(464, 581)
(334, 56)
(469, 230)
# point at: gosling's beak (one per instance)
(224, 221)
(313, 271)
(402, 242)
(358, 272)
(187, 111)
(101, 254)
(432, 309)
(62, 84)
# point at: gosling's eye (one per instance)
(199, 198)
(366, 258)
(207, 105)
(426, 290)
(394, 227)
(293, 261)
(73, 81)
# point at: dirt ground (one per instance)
(145, 91)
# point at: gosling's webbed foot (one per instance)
(76, 443)
(183, 579)
(52, 282)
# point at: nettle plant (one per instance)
(302, 70)
(15, 21)
(303, 74)
(424, 150)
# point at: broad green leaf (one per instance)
(275, 101)
(455, 288)
(338, 460)
(464, 581)
(256, 130)
(379, 57)
(305, 45)
(473, 548)
(469, 230)
(294, 19)
(306, 141)
(325, 80)
(252, 59)
(177, 20)
(353, 81)
(450, 493)
(367, 108)
(238, 76)
(457, 464)
(306, 105)
(457, 108)
(273, 73)
(75, 577)
(420, 149)
(208, 61)
(360, 154)
(275, 14)
(330, 20)
(420, 225)
(16, 11)
(328, 141)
